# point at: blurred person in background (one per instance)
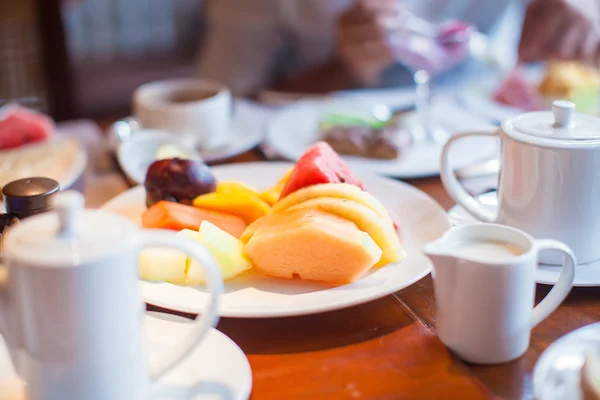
(324, 45)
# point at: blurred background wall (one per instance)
(84, 58)
(21, 64)
(116, 45)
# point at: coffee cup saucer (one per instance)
(586, 275)
(140, 150)
(216, 368)
(242, 136)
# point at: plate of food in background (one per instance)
(30, 147)
(534, 88)
(289, 239)
(370, 138)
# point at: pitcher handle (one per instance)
(207, 318)
(453, 186)
(563, 285)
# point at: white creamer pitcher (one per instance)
(70, 309)
(484, 302)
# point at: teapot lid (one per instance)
(563, 123)
(69, 235)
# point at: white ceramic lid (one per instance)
(69, 235)
(563, 123)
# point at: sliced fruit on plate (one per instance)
(246, 206)
(253, 227)
(271, 195)
(175, 216)
(177, 180)
(20, 125)
(319, 164)
(226, 249)
(335, 190)
(380, 230)
(161, 264)
(235, 188)
(312, 244)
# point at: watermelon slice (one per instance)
(321, 164)
(19, 126)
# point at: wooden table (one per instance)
(387, 349)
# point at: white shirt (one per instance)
(252, 43)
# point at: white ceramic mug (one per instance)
(70, 309)
(549, 182)
(197, 110)
(484, 305)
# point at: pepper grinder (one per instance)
(24, 198)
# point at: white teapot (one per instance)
(549, 182)
(70, 309)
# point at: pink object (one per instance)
(454, 32)
(516, 91)
(19, 126)
(434, 55)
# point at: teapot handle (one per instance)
(563, 285)
(206, 319)
(453, 186)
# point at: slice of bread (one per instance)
(53, 158)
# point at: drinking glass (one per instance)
(428, 49)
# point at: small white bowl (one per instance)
(137, 153)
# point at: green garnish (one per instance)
(349, 120)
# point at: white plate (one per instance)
(295, 128)
(216, 369)
(79, 165)
(73, 172)
(253, 295)
(480, 102)
(585, 274)
(557, 373)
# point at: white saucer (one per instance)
(295, 128)
(557, 373)
(241, 139)
(136, 154)
(253, 295)
(217, 369)
(585, 274)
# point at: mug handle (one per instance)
(206, 319)
(453, 186)
(563, 285)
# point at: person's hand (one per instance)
(362, 39)
(561, 29)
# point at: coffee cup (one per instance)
(549, 184)
(484, 287)
(70, 310)
(196, 110)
